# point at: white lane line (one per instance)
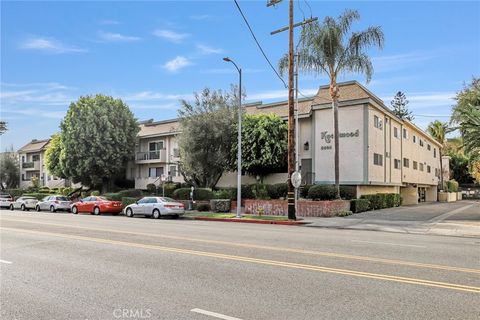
(389, 244)
(5, 261)
(214, 314)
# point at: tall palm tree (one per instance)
(438, 131)
(332, 48)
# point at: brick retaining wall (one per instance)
(305, 208)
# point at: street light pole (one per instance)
(239, 142)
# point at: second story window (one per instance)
(36, 157)
(395, 132)
(414, 139)
(421, 142)
(396, 163)
(429, 169)
(415, 165)
(377, 159)
(377, 122)
(429, 147)
(405, 134)
(434, 152)
(421, 166)
(406, 162)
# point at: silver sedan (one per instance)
(155, 207)
(54, 203)
(24, 203)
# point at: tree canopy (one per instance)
(264, 145)
(9, 170)
(3, 127)
(207, 125)
(97, 139)
(400, 106)
(52, 156)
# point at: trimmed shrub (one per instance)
(277, 191)
(151, 188)
(37, 195)
(95, 193)
(220, 205)
(131, 193)
(304, 190)
(322, 192)
(15, 192)
(169, 189)
(260, 191)
(203, 207)
(348, 192)
(198, 194)
(344, 213)
(113, 196)
(222, 194)
(452, 186)
(128, 200)
(397, 200)
(182, 194)
(359, 205)
(383, 200)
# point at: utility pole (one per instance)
(291, 125)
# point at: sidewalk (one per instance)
(461, 219)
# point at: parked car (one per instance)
(24, 203)
(5, 200)
(96, 205)
(54, 203)
(155, 207)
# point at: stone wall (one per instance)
(305, 208)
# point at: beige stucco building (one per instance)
(32, 164)
(379, 152)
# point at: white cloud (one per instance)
(423, 100)
(170, 35)
(37, 113)
(204, 49)
(47, 94)
(49, 45)
(176, 64)
(399, 61)
(116, 37)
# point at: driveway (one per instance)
(460, 218)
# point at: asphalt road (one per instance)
(64, 266)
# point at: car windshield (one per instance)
(167, 199)
(62, 199)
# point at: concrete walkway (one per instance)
(451, 219)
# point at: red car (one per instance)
(96, 205)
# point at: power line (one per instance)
(258, 44)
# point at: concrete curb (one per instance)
(288, 223)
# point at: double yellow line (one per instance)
(262, 247)
(284, 264)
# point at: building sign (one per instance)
(328, 137)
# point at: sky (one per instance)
(152, 54)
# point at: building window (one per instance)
(173, 171)
(434, 152)
(436, 172)
(428, 147)
(377, 122)
(396, 163)
(415, 165)
(414, 139)
(155, 172)
(377, 159)
(421, 142)
(395, 132)
(429, 169)
(176, 152)
(406, 162)
(405, 134)
(421, 166)
(36, 157)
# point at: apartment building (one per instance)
(32, 164)
(379, 152)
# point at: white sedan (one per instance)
(155, 207)
(24, 203)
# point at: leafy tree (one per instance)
(466, 118)
(332, 48)
(438, 131)
(207, 136)
(400, 106)
(52, 156)
(98, 138)
(264, 145)
(460, 169)
(3, 127)
(9, 170)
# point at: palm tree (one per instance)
(438, 130)
(332, 48)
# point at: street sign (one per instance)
(296, 179)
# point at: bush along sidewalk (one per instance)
(383, 200)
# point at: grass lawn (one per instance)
(232, 215)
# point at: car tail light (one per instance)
(181, 205)
(169, 206)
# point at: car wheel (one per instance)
(52, 209)
(155, 214)
(37, 208)
(96, 211)
(11, 207)
(68, 210)
(23, 207)
(74, 210)
(129, 213)
(176, 216)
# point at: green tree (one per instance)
(52, 156)
(438, 131)
(459, 165)
(332, 48)
(98, 138)
(207, 137)
(9, 170)
(466, 118)
(400, 106)
(264, 145)
(3, 127)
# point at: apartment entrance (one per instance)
(422, 194)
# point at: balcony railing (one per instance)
(27, 165)
(159, 155)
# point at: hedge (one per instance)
(198, 194)
(131, 193)
(15, 192)
(277, 191)
(220, 205)
(128, 200)
(203, 207)
(359, 205)
(169, 189)
(329, 192)
(113, 196)
(37, 195)
(223, 194)
(452, 186)
(304, 190)
(383, 200)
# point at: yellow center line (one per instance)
(262, 247)
(284, 264)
